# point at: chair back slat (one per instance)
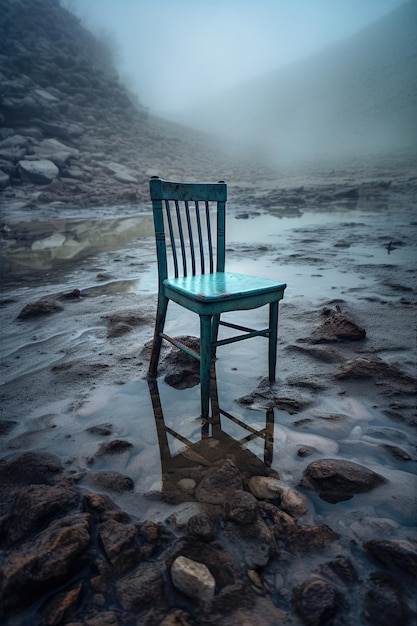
(172, 238)
(209, 238)
(200, 238)
(183, 214)
(181, 236)
(221, 236)
(190, 236)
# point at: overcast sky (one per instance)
(177, 51)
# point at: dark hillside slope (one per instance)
(359, 95)
(69, 130)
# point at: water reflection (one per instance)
(214, 445)
(53, 246)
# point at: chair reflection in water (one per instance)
(214, 445)
(183, 215)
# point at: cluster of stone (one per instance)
(70, 556)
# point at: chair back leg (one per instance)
(215, 331)
(159, 329)
(273, 339)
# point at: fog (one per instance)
(175, 52)
(295, 78)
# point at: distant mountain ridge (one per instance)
(359, 94)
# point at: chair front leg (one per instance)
(205, 363)
(273, 339)
(157, 339)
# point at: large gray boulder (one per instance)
(121, 173)
(40, 172)
(56, 151)
(336, 480)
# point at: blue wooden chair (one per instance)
(183, 214)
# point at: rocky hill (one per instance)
(70, 132)
(354, 97)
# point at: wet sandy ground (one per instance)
(63, 373)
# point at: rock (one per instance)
(311, 539)
(183, 513)
(35, 567)
(28, 468)
(121, 323)
(104, 618)
(36, 504)
(265, 487)
(104, 430)
(194, 580)
(397, 452)
(57, 152)
(384, 603)
(269, 488)
(121, 173)
(119, 543)
(187, 484)
(14, 141)
(42, 307)
(337, 327)
(371, 367)
(336, 480)
(101, 504)
(74, 294)
(4, 180)
(319, 352)
(110, 481)
(67, 131)
(342, 567)
(182, 370)
(219, 483)
(280, 523)
(141, 588)
(316, 601)
(304, 451)
(75, 173)
(251, 543)
(201, 526)
(225, 570)
(268, 396)
(293, 502)
(150, 531)
(241, 507)
(40, 172)
(61, 604)
(396, 554)
(116, 446)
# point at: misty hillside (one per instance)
(69, 130)
(357, 95)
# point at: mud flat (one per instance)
(322, 505)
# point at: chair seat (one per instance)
(222, 291)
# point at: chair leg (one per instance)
(205, 363)
(157, 339)
(273, 339)
(215, 331)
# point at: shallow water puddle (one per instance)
(343, 253)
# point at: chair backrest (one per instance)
(191, 217)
